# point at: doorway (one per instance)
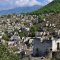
(58, 46)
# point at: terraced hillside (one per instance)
(54, 18)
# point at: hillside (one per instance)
(53, 7)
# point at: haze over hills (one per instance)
(53, 7)
(20, 10)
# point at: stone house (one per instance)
(41, 48)
(14, 40)
(55, 44)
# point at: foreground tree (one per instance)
(6, 55)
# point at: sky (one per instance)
(10, 4)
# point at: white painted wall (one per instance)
(54, 44)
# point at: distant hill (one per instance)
(53, 7)
(20, 10)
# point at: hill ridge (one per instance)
(53, 7)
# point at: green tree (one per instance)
(5, 37)
(33, 29)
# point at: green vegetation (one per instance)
(53, 7)
(23, 34)
(6, 55)
(5, 37)
(8, 16)
(33, 29)
(41, 18)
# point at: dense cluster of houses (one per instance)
(43, 44)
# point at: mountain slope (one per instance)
(19, 10)
(54, 7)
